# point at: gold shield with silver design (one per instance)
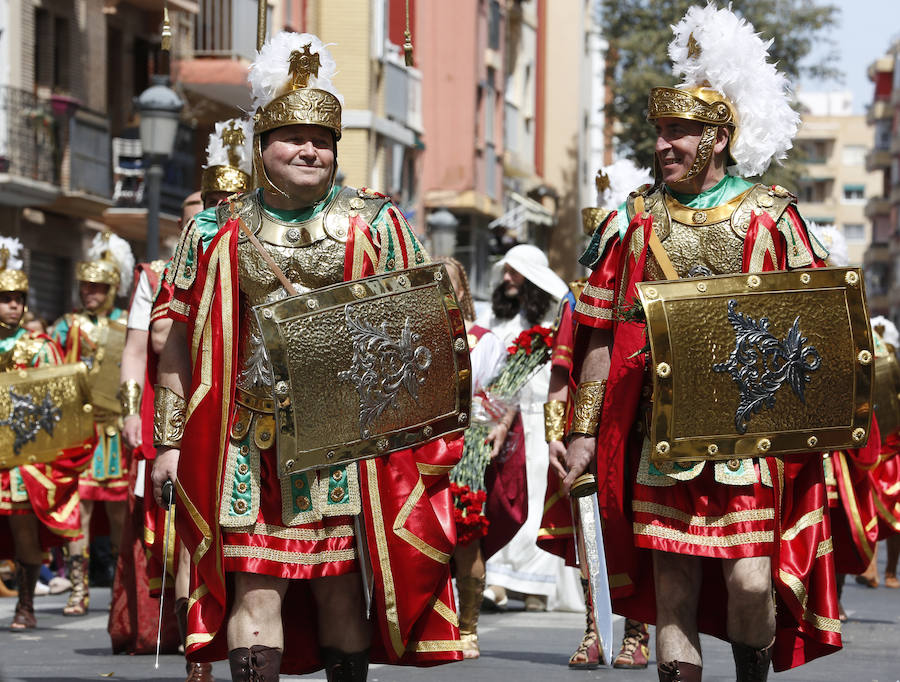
(364, 368)
(43, 411)
(759, 364)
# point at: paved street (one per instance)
(516, 646)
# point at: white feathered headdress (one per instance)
(109, 261)
(834, 242)
(231, 144)
(270, 73)
(622, 178)
(12, 277)
(889, 330)
(716, 48)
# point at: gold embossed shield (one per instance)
(367, 367)
(759, 364)
(43, 411)
(106, 366)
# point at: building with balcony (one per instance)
(70, 71)
(882, 259)
(832, 144)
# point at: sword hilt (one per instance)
(168, 494)
(584, 485)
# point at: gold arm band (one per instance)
(588, 405)
(130, 398)
(554, 420)
(168, 418)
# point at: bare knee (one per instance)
(677, 579)
(748, 581)
(259, 596)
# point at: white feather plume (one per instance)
(14, 246)
(120, 252)
(890, 334)
(269, 72)
(624, 178)
(217, 152)
(834, 242)
(734, 61)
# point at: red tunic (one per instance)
(134, 607)
(557, 532)
(405, 496)
(790, 523)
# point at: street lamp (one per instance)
(159, 107)
(442, 228)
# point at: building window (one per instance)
(855, 232)
(494, 25)
(854, 193)
(853, 155)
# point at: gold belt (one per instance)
(255, 403)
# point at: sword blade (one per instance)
(595, 558)
(168, 496)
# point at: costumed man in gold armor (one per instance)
(39, 500)
(88, 336)
(290, 541)
(726, 121)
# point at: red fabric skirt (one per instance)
(311, 550)
(703, 517)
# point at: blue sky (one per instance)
(864, 32)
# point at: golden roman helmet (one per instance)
(291, 84)
(12, 277)
(229, 158)
(696, 103)
(110, 261)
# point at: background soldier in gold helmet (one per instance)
(34, 495)
(86, 335)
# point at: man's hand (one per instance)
(558, 457)
(497, 437)
(579, 455)
(131, 431)
(165, 467)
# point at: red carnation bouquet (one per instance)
(529, 351)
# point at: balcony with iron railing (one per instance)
(29, 149)
(226, 28)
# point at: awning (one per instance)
(523, 210)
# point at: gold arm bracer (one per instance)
(588, 406)
(130, 397)
(168, 417)
(554, 420)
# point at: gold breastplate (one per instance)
(698, 242)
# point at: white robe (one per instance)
(522, 566)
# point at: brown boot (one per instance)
(635, 652)
(79, 597)
(751, 664)
(471, 591)
(196, 672)
(256, 664)
(199, 672)
(26, 579)
(588, 655)
(343, 667)
(679, 671)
